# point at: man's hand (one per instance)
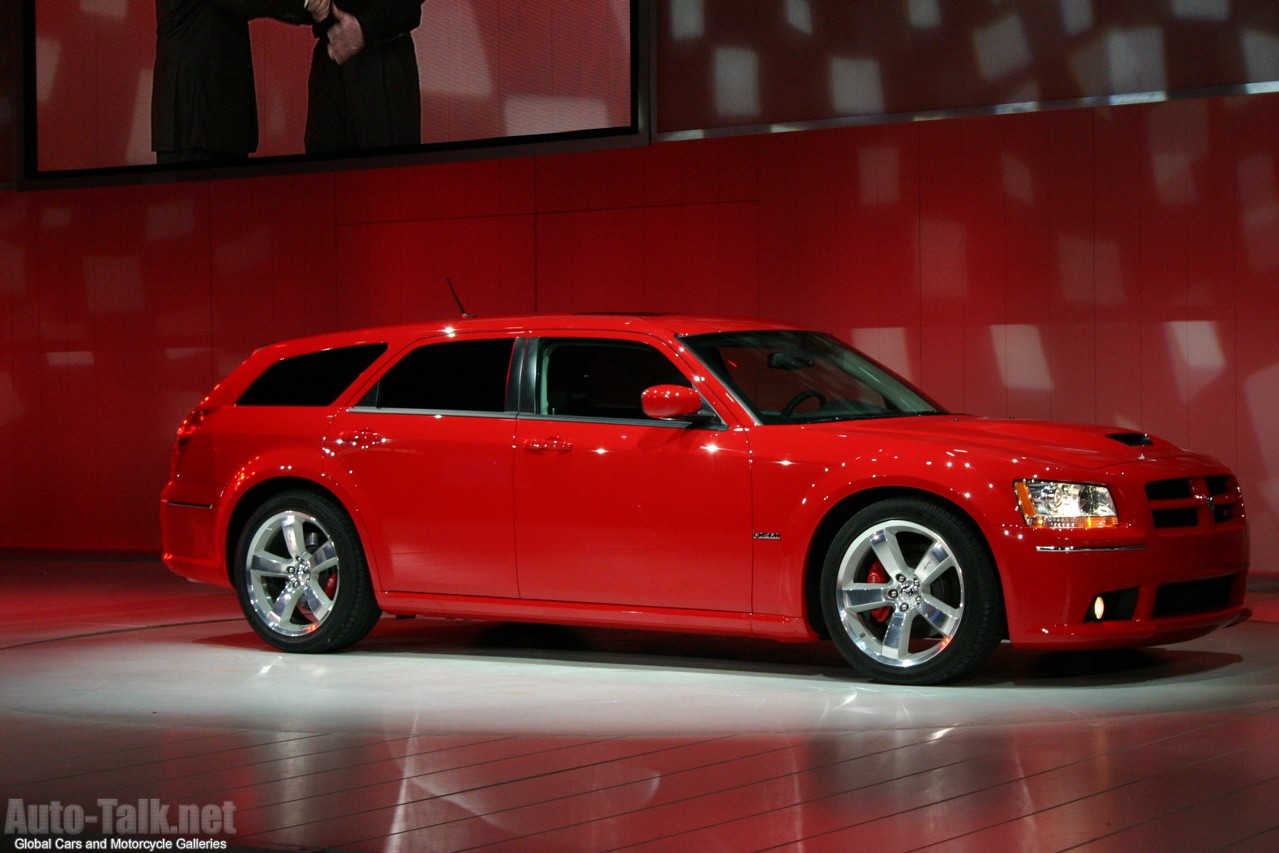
(319, 9)
(346, 39)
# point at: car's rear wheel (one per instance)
(301, 575)
(910, 594)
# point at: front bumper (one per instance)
(1171, 588)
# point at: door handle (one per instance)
(554, 444)
(360, 438)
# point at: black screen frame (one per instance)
(28, 176)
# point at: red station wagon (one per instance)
(688, 474)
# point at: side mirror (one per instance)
(666, 402)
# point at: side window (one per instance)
(312, 379)
(600, 379)
(458, 376)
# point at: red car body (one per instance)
(719, 521)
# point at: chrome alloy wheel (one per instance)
(291, 573)
(899, 591)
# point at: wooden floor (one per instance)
(127, 695)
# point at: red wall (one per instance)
(1118, 265)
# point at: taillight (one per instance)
(190, 426)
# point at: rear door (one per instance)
(427, 456)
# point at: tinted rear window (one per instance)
(466, 375)
(313, 379)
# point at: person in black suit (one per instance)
(203, 104)
(363, 91)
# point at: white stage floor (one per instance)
(120, 682)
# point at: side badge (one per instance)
(769, 536)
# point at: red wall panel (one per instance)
(395, 272)
(1116, 265)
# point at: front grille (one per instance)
(1187, 502)
(1205, 596)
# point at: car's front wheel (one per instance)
(910, 594)
(301, 575)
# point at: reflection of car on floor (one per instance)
(688, 474)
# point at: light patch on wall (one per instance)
(77, 358)
(887, 346)
(1261, 396)
(924, 14)
(1110, 288)
(736, 82)
(1076, 16)
(528, 114)
(116, 9)
(1019, 184)
(10, 405)
(1196, 353)
(138, 149)
(1136, 60)
(1178, 138)
(855, 87)
(1259, 210)
(688, 19)
(55, 217)
(1024, 98)
(1002, 48)
(1019, 351)
(451, 55)
(1122, 62)
(1075, 261)
(799, 14)
(879, 175)
(1201, 10)
(273, 113)
(1260, 55)
(114, 284)
(48, 52)
(1173, 177)
(944, 259)
(170, 220)
(622, 17)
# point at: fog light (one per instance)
(1112, 606)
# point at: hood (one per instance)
(1083, 445)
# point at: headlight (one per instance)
(1065, 506)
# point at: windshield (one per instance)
(805, 377)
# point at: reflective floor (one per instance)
(120, 683)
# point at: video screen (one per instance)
(129, 84)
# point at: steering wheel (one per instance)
(789, 408)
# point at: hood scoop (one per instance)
(1132, 439)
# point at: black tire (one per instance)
(910, 593)
(301, 575)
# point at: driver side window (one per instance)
(589, 378)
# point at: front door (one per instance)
(614, 508)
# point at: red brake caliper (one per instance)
(878, 575)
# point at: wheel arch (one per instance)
(258, 494)
(828, 528)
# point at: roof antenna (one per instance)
(457, 299)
